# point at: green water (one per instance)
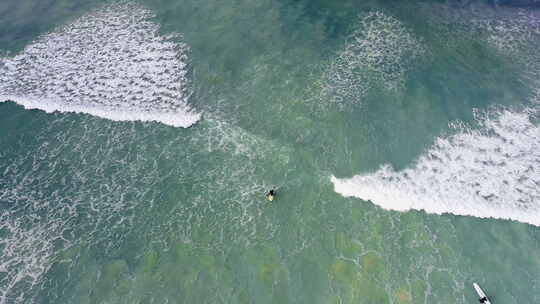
(141, 212)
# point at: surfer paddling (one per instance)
(270, 195)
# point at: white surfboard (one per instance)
(481, 293)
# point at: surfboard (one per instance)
(481, 293)
(270, 197)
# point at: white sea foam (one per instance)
(512, 32)
(25, 255)
(508, 30)
(377, 53)
(230, 190)
(492, 171)
(89, 183)
(110, 63)
(51, 201)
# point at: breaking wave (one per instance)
(111, 63)
(493, 171)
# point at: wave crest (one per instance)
(111, 63)
(490, 172)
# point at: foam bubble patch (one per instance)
(111, 63)
(377, 53)
(493, 171)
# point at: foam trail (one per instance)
(51, 202)
(25, 256)
(493, 171)
(111, 63)
(378, 53)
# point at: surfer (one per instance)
(270, 195)
(482, 296)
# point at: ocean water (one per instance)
(137, 140)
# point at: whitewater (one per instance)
(493, 171)
(489, 168)
(112, 63)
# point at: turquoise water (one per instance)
(137, 140)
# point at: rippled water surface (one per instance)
(137, 140)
